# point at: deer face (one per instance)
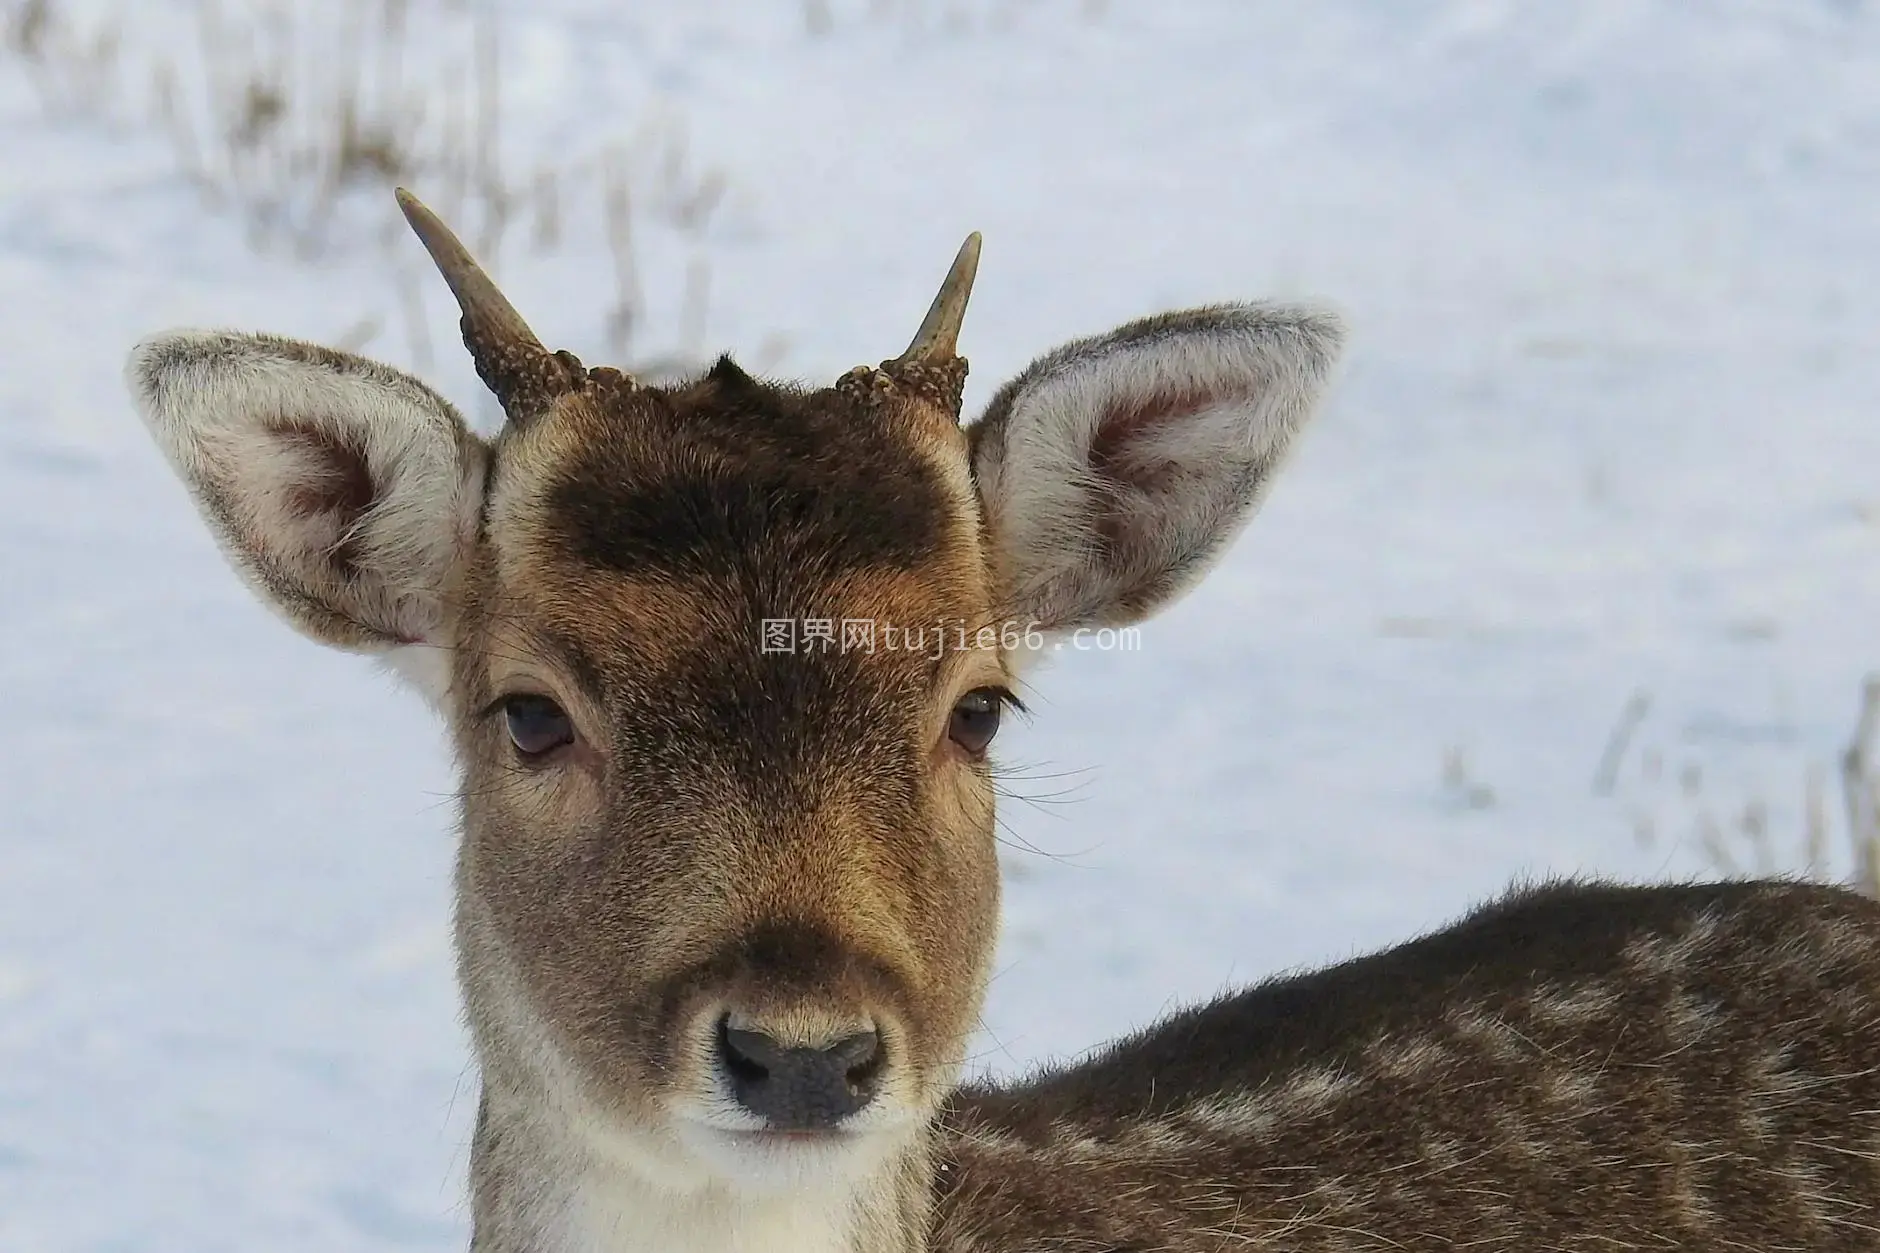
(749, 882)
(723, 663)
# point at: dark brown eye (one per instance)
(975, 720)
(537, 725)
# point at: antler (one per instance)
(526, 377)
(932, 362)
(938, 338)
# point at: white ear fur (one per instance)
(344, 491)
(1114, 470)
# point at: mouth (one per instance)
(831, 1135)
(829, 1139)
(770, 1160)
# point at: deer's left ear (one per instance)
(1114, 470)
(344, 491)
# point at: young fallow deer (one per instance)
(725, 912)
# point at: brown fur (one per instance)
(1577, 1067)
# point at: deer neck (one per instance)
(540, 1185)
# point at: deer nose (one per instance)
(800, 1089)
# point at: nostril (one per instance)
(749, 1055)
(860, 1058)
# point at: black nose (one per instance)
(800, 1089)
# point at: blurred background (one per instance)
(1578, 572)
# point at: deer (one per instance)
(725, 913)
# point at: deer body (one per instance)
(725, 911)
(1576, 1067)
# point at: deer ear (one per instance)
(1113, 471)
(344, 491)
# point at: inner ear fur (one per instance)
(344, 491)
(1113, 471)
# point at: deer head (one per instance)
(727, 906)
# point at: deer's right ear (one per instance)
(344, 491)
(1114, 470)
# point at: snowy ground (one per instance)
(1607, 426)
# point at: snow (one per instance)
(1605, 427)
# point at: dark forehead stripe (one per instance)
(726, 475)
(780, 720)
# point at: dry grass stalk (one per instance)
(1606, 775)
(1750, 844)
(287, 113)
(1860, 790)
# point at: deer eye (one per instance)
(975, 720)
(537, 725)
